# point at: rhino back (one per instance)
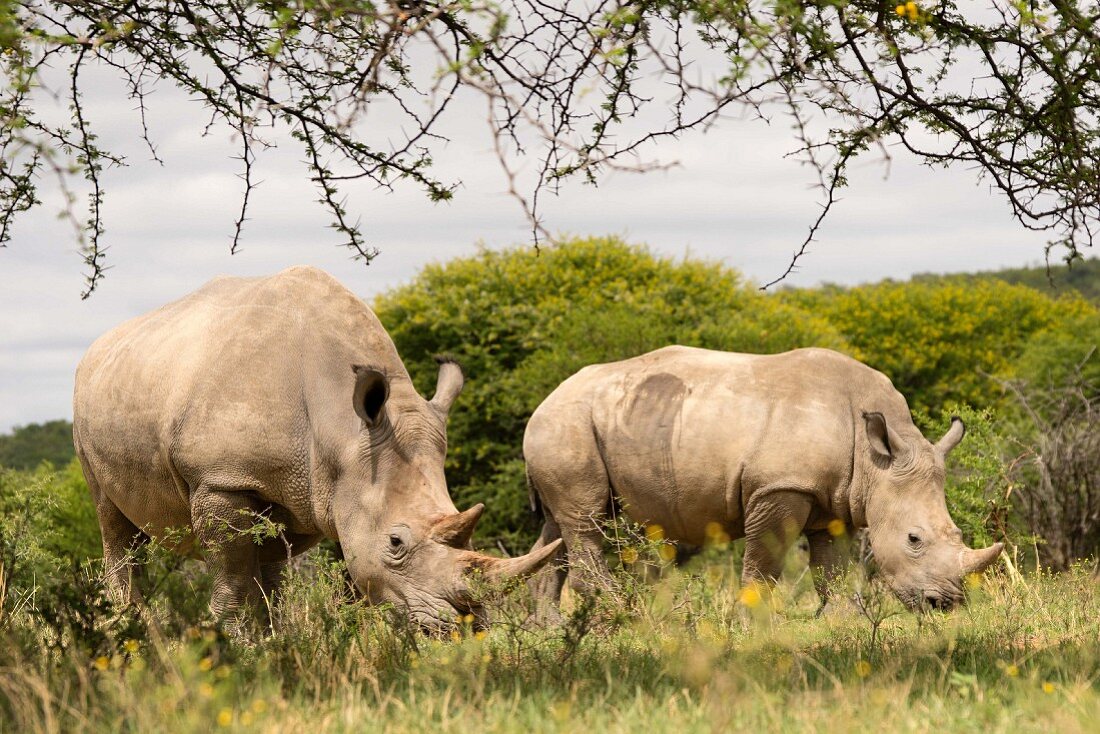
(239, 385)
(689, 436)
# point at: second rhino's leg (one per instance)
(827, 557)
(546, 585)
(221, 520)
(588, 570)
(576, 491)
(773, 521)
(272, 575)
(120, 539)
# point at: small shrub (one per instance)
(1057, 480)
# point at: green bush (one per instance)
(522, 321)
(942, 341)
(47, 520)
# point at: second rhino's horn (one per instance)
(976, 561)
(501, 569)
(457, 529)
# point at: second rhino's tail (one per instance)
(533, 498)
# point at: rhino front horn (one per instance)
(976, 561)
(457, 529)
(502, 569)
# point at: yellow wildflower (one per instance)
(131, 646)
(222, 671)
(863, 668)
(912, 9)
(206, 690)
(750, 595)
(836, 528)
(1048, 687)
(468, 619)
(629, 555)
(206, 664)
(900, 10)
(667, 552)
(1011, 670)
(973, 580)
(225, 717)
(654, 533)
(480, 635)
(456, 636)
(102, 662)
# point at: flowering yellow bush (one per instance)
(941, 341)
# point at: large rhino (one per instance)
(280, 397)
(761, 447)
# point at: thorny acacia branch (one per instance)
(1010, 90)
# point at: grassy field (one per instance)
(690, 651)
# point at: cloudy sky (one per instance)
(732, 198)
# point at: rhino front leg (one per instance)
(772, 523)
(221, 520)
(827, 557)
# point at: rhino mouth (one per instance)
(933, 597)
(441, 622)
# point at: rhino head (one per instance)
(916, 544)
(404, 541)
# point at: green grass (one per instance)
(684, 653)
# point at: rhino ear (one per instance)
(878, 435)
(372, 388)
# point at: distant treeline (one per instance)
(28, 446)
(1083, 276)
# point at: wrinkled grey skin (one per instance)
(282, 396)
(769, 447)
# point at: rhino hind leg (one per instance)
(121, 538)
(547, 584)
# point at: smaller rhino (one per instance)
(765, 447)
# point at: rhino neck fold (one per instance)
(857, 503)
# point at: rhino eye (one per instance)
(914, 539)
(395, 541)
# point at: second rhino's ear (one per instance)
(879, 436)
(372, 388)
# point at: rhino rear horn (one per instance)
(502, 569)
(976, 561)
(457, 529)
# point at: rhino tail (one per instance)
(533, 498)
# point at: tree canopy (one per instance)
(1009, 90)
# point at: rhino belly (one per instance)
(690, 505)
